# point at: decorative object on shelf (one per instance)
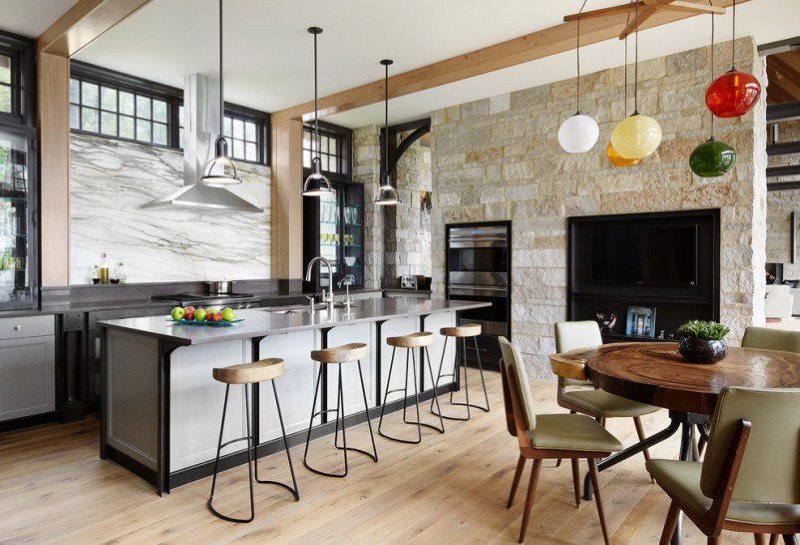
(613, 157)
(703, 342)
(637, 136)
(408, 282)
(387, 194)
(712, 158)
(606, 320)
(221, 170)
(316, 184)
(579, 133)
(641, 321)
(425, 207)
(734, 93)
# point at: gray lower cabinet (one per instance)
(27, 366)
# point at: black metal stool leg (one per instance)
(293, 489)
(314, 414)
(374, 454)
(220, 446)
(386, 392)
(480, 368)
(438, 378)
(456, 376)
(440, 429)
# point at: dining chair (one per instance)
(548, 436)
(583, 397)
(749, 480)
(771, 339)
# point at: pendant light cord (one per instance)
(578, 61)
(625, 92)
(317, 139)
(386, 122)
(733, 43)
(221, 80)
(636, 65)
(710, 3)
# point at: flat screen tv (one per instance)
(644, 256)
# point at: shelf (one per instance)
(689, 299)
(634, 338)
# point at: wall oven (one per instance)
(479, 269)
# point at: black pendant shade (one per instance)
(387, 194)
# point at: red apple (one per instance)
(189, 309)
(189, 316)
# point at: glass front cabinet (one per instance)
(333, 227)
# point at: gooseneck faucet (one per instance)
(326, 297)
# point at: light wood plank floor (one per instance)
(451, 488)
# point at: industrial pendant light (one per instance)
(317, 184)
(734, 93)
(637, 136)
(712, 158)
(387, 194)
(613, 157)
(221, 170)
(579, 133)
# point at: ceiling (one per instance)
(268, 52)
(783, 71)
(31, 17)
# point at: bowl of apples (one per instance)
(211, 317)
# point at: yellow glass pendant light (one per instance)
(639, 135)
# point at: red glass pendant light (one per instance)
(734, 93)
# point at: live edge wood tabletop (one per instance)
(655, 373)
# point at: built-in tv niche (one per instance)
(643, 275)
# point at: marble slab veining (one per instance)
(111, 179)
(261, 322)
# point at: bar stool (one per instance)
(338, 355)
(244, 374)
(422, 339)
(461, 332)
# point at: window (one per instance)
(333, 150)
(6, 69)
(111, 111)
(245, 134)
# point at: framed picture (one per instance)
(641, 322)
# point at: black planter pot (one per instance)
(696, 350)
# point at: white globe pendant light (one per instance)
(579, 133)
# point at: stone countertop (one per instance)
(260, 322)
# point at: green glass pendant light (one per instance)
(713, 157)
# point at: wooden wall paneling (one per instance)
(286, 220)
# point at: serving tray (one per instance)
(205, 323)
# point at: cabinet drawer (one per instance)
(26, 326)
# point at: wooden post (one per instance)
(286, 220)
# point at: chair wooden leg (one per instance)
(669, 524)
(713, 540)
(701, 445)
(576, 482)
(515, 482)
(526, 515)
(558, 462)
(789, 539)
(759, 539)
(773, 539)
(637, 422)
(597, 498)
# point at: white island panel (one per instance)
(351, 389)
(396, 328)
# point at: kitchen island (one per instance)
(162, 407)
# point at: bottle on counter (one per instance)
(105, 271)
(120, 274)
(96, 274)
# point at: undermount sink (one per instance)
(295, 310)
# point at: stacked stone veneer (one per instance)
(366, 168)
(499, 159)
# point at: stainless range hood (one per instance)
(201, 118)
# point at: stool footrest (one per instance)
(282, 485)
(232, 441)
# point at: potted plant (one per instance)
(703, 342)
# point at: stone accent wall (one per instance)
(366, 169)
(110, 180)
(408, 226)
(499, 158)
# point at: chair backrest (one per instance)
(779, 301)
(770, 469)
(771, 339)
(572, 335)
(513, 364)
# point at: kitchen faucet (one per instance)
(326, 297)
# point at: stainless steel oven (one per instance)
(479, 269)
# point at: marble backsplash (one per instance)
(111, 179)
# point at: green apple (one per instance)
(200, 315)
(228, 315)
(178, 313)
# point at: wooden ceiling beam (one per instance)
(83, 23)
(693, 8)
(527, 48)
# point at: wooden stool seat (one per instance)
(341, 354)
(466, 330)
(413, 340)
(249, 373)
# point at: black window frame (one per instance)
(82, 71)
(344, 138)
(23, 77)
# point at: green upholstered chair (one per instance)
(750, 478)
(581, 396)
(771, 339)
(548, 436)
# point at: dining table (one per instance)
(656, 373)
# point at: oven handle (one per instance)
(479, 243)
(477, 290)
